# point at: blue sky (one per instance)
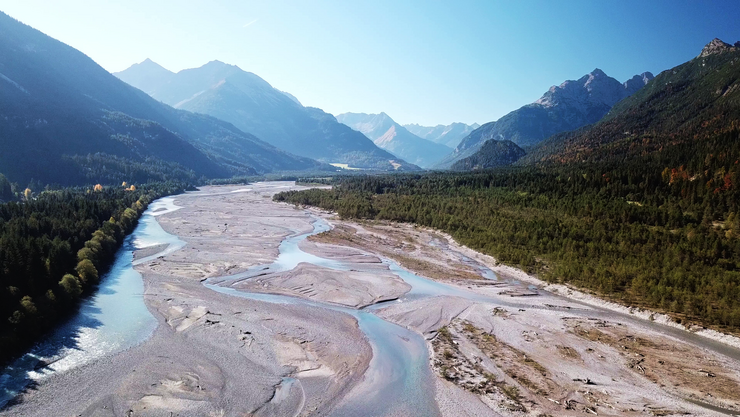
(425, 61)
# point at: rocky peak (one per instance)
(637, 82)
(717, 46)
(595, 88)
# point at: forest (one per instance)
(55, 245)
(660, 231)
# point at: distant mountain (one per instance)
(254, 106)
(688, 112)
(449, 135)
(566, 107)
(394, 138)
(493, 153)
(65, 120)
(148, 75)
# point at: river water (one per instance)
(398, 380)
(115, 318)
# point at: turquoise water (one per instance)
(398, 378)
(115, 318)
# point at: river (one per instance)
(113, 319)
(398, 380)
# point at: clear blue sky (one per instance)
(424, 61)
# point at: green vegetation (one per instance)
(54, 247)
(493, 154)
(684, 106)
(642, 207)
(653, 232)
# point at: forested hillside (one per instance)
(643, 232)
(65, 120)
(685, 106)
(54, 247)
(493, 153)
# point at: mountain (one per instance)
(396, 139)
(65, 120)
(569, 106)
(253, 105)
(147, 75)
(448, 135)
(688, 112)
(493, 153)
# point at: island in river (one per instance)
(263, 308)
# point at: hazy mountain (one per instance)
(572, 104)
(394, 138)
(493, 153)
(64, 119)
(686, 111)
(448, 135)
(253, 105)
(148, 75)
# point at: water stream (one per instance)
(398, 377)
(399, 372)
(115, 318)
(398, 380)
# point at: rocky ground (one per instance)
(530, 352)
(497, 347)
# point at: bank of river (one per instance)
(222, 346)
(113, 319)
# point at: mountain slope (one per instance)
(449, 135)
(394, 138)
(493, 153)
(683, 107)
(65, 120)
(566, 107)
(253, 105)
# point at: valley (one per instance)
(189, 239)
(269, 309)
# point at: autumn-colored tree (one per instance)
(124, 184)
(132, 188)
(87, 272)
(86, 253)
(28, 305)
(71, 286)
(98, 188)
(27, 194)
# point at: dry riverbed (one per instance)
(529, 352)
(502, 347)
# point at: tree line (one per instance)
(661, 231)
(54, 248)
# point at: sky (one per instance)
(420, 61)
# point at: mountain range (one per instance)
(253, 105)
(396, 139)
(687, 112)
(448, 135)
(65, 120)
(569, 106)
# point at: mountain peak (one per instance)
(150, 65)
(598, 72)
(216, 63)
(637, 82)
(717, 46)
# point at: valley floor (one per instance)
(296, 342)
